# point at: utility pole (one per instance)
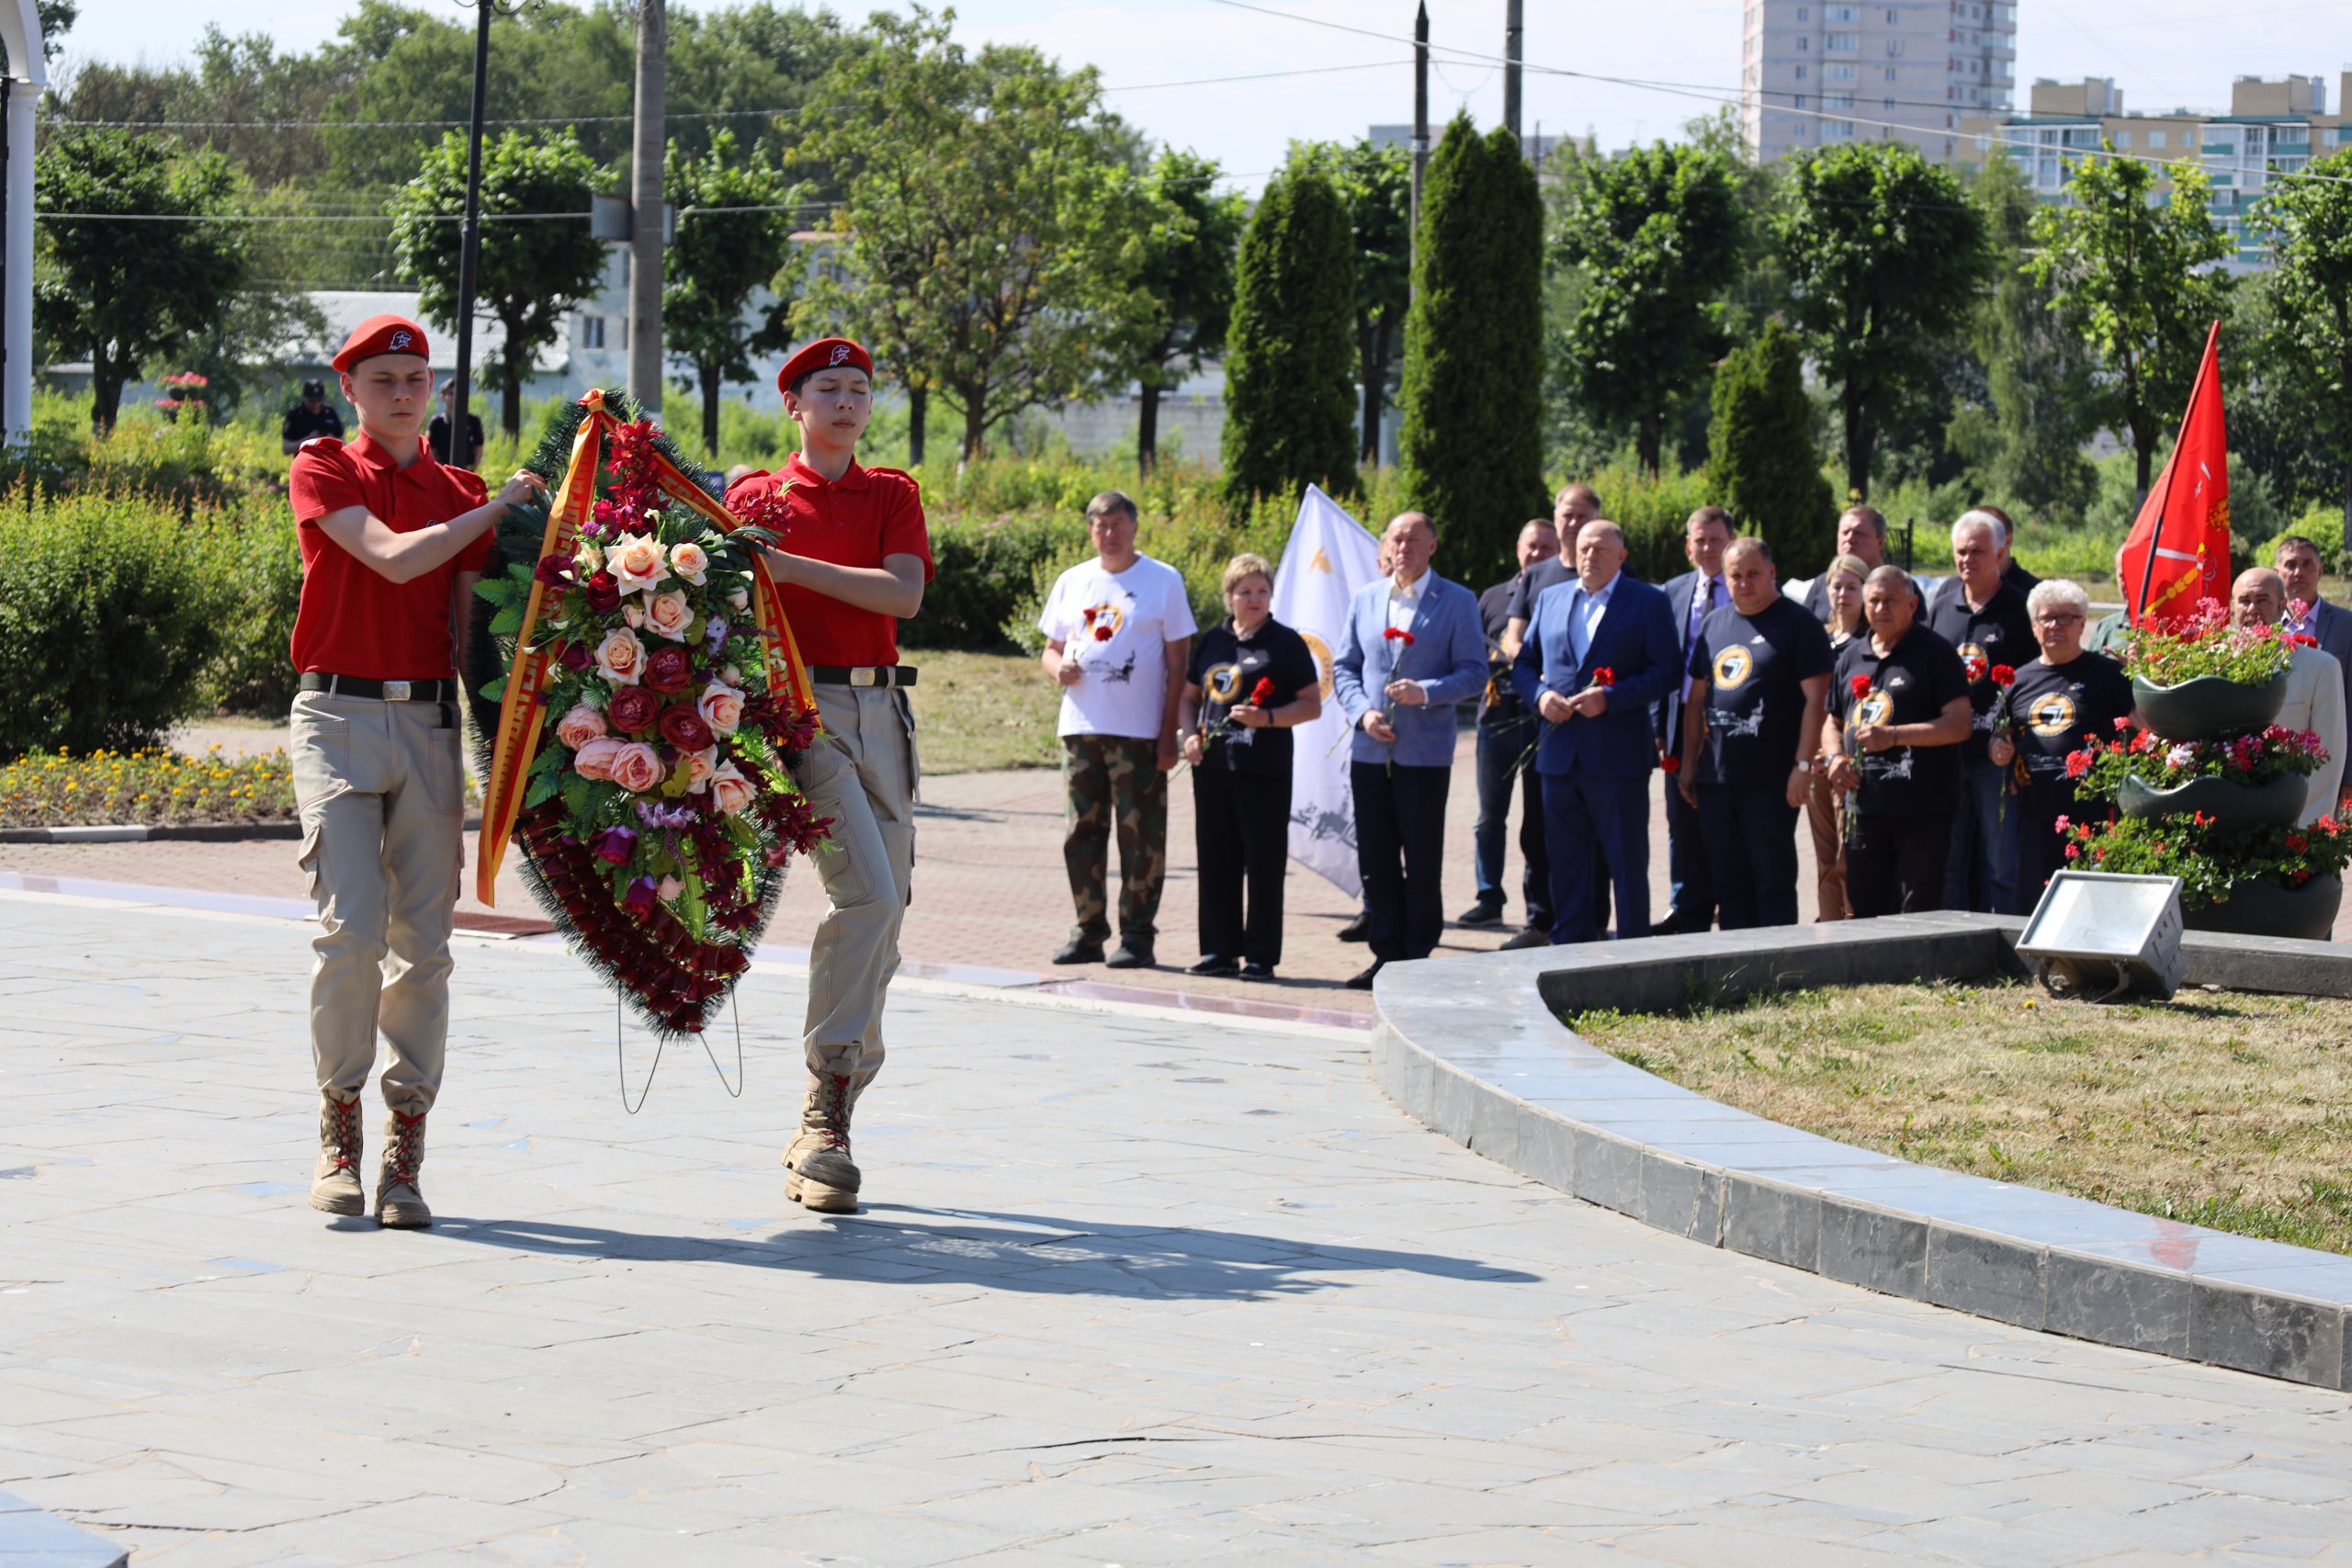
(648, 147)
(1421, 131)
(1511, 71)
(470, 247)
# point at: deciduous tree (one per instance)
(2311, 298)
(1187, 274)
(735, 224)
(1658, 234)
(533, 269)
(1885, 257)
(124, 293)
(2136, 279)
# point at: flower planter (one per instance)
(2266, 908)
(2232, 805)
(2209, 708)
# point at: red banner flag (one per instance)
(2179, 551)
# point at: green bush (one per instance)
(257, 570)
(112, 620)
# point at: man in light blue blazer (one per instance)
(2299, 564)
(1599, 651)
(1413, 648)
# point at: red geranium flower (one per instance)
(2297, 843)
(2123, 723)
(1605, 676)
(2077, 763)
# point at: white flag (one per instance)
(1328, 558)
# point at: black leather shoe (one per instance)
(1213, 964)
(1363, 982)
(1078, 953)
(1257, 971)
(1529, 937)
(1480, 915)
(1131, 955)
(1357, 929)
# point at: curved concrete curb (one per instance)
(1474, 1050)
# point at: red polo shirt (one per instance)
(353, 620)
(856, 520)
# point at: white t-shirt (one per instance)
(1123, 689)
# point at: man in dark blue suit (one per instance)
(2300, 564)
(1599, 652)
(1692, 597)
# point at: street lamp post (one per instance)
(470, 239)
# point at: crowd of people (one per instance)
(1921, 730)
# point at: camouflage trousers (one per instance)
(1113, 781)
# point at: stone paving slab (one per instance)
(1131, 1287)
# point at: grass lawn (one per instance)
(2222, 1108)
(974, 711)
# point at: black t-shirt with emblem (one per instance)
(1498, 705)
(2001, 633)
(1753, 665)
(2051, 709)
(1911, 684)
(1228, 667)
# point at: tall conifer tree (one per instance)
(1473, 398)
(1290, 351)
(1761, 466)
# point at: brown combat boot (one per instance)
(399, 1203)
(821, 1174)
(334, 1185)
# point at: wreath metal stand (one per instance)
(620, 1062)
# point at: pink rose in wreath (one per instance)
(730, 791)
(594, 759)
(638, 768)
(579, 727)
(620, 658)
(700, 766)
(721, 707)
(668, 615)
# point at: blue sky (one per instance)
(2161, 51)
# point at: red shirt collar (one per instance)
(800, 473)
(365, 448)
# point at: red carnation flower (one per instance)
(1860, 686)
(1399, 634)
(1103, 632)
(1262, 693)
(669, 670)
(1605, 676)
(633, 709)
(684, 728)
(1670, 764)
(604, 592)
(2303, 639)
(2004, 675)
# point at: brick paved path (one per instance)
(1132, 1288)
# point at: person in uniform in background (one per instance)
(1506, 740)
(2065, 700)
(1253, 679)
(311, 417)
(1119, 639)
(1760, 680)
(438, 436)
(1824, 808)
(1983, 617)
(1896, 751)
(853, 560)
(392, 543)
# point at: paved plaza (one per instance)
(1131, 1287)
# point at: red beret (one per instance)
(380, 334)
(823, 355)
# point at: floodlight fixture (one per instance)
(2114, 936)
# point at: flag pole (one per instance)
(2164, 512)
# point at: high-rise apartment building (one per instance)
(1815, 75)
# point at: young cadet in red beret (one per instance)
(392, 542)
(856, 555)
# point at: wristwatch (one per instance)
(1804, 764)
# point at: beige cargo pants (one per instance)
(861, 773)
(381, 793)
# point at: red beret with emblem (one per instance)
(825, 354)
(380, 334)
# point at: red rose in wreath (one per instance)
(669, 670)
(633, 709)
(684, 727)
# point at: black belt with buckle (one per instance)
(381, 690)
(862, 675)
